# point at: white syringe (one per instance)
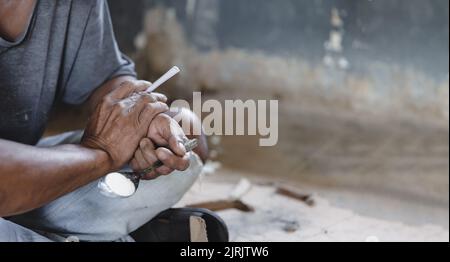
(172, 72)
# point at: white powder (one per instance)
(120, 184)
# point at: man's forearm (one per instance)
(31, 176)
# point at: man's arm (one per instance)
(31, 177)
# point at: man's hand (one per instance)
(121, 120)
(164, 142)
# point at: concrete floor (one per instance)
(279, 218)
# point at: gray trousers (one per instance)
(87, 215)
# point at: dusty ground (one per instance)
(279, 218)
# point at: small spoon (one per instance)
(125, 184)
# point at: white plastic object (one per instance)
(164, 78)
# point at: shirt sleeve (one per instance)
(98, 58)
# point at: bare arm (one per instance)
(31, 177)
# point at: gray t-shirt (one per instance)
(67, 52)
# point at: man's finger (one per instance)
(142, 85)
(134, 110)
(155, 96)
(160, 97)
(173, 136)
(164, 171)
(141, 160)
(134, 165)
(172, 161)
(150, 111)
(148, 151)
(152, 175)
(176, 145)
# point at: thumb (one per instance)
(175, 138)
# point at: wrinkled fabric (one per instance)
(88, 215)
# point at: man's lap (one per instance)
(10, 232)
(91, 216)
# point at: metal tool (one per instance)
(125, 184)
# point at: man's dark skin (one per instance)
(117, 133)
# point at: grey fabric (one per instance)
(10, 232)
(91, 216)
(67, 51)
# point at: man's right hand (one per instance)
(121, 120)
(31, 176)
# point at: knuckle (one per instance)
(145, 97)
(119, 105)
(142, 84)
(160, 107)
(163, 119)
(106, 99)
(164, 106)
(143, 143)
(169, 162)
(162, 97)
(159, 96)
(149, 156)
(150, 109)
(152, 98)
(148, 145)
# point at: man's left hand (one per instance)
(164, 142)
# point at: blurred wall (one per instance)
(405, 32)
